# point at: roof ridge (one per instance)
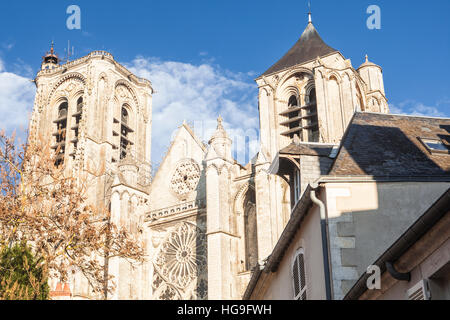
(403, 115)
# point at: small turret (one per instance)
(50, 60)
(220, 141)
(372, 75)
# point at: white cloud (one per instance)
(199, 94)
(412, 107)
(195, 93)
(16, 101)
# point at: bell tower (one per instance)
(93, 112)
(313, 91)
(96, 116)
(307, 97)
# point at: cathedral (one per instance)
(205, 220)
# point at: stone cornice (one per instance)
(97, 55)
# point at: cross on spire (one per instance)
(309, 12)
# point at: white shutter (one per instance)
(299, 277)
(420, 291)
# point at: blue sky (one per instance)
(189, 49)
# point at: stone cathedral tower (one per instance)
(97, 116)
(307, 99)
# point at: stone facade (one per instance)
(205, 220)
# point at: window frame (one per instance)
(432, 150)
(302, 292)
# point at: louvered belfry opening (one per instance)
(60, 133)
(125, 130)
(292, 118)
(310, 119)
(301, 120)
(76, 128)
(299, 277)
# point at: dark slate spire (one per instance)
(308, 47)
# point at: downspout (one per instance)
(325, 242)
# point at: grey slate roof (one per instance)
(383, 145)
(308, 47)
(307, 149)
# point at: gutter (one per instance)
(422, 225)
(325, 243)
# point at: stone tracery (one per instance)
(181, 258)
(185, 177)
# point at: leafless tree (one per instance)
(47, 206)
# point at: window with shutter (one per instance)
(420, 291)
(298, 276)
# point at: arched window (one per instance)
(312, 96)
(302, 120)
(292, 118)
(62, 110)
(310, 120)
(76, 128)
(250, 230)
(124, 115)
(60, 133)
(299, 276)
(292, 102)
(125, 130)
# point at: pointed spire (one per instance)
(367, 63)
(220, 130)
(307, 48)
(219, 123)
(220, 141)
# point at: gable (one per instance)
(180, 177)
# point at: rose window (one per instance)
(185, 177)
(183, 255)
